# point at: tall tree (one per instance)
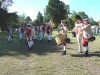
(67, 7)
(21, 19)
(40, 17)
(56, 10)
(7, 19)
(47, 16)
(74, 13)
(3, 19)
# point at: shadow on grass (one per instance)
(43, 48)
(90, 54)
(72, 42)
(17, 48)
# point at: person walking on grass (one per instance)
(78, 31)
(10, 34)
(87, 35)
(29, 37)
(40, 30)
(63, 31)
(20, 33)
(49, 32)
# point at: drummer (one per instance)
(87, 28)
(63, 32)
(86, 35)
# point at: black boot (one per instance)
(86, 53)
(30, 48)
(64, 53)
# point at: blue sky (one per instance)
(31, 7)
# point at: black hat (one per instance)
(78, 17)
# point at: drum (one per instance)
(91, 39)
(59, 39)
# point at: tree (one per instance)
(36, 22)
(68, 11)
(5, 3)
(28, 19)
(21, 19)
(91, 20)
(3, 19)
(39, 18)
(74, 13)
(82, 14)
(47, 17)
(12, 19)
(56, 10)
(7, 19)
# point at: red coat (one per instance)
(43, 29)
(28, 32)
(49, 29)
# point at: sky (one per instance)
(32, 7)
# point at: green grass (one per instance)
(46, 59)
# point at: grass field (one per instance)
(46, 59)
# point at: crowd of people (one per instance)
(82, 30)
(32, 33)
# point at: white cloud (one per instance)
(66, 1)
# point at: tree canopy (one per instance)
(5, 3)
(56, 11)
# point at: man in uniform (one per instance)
(10, 34)
(87, 33)
(78, 31)
(29, 36)
(63, 31)
(49, 32)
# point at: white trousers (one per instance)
(49, 36)
(30, 43)
(64, 48)
(20, 36)
(34, 37)
(85, 48)
(9, 38)
(40, 35)
(79, 40)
